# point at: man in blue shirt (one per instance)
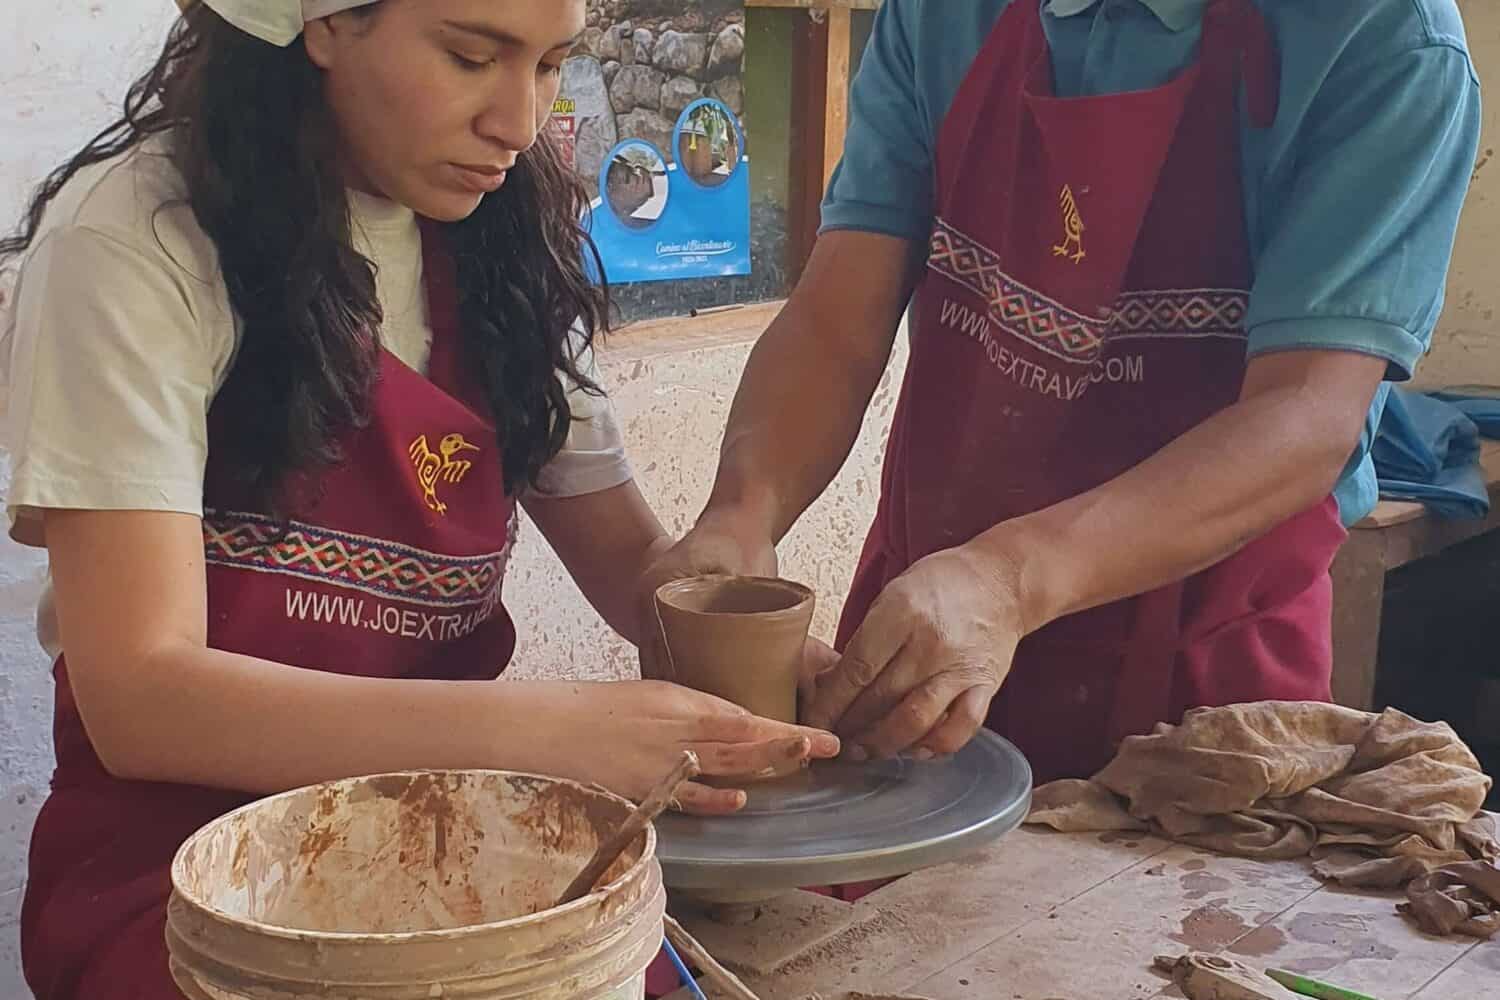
(1162, 258)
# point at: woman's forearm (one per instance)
(606, 540)
(207, 717)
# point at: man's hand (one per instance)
(932, 652)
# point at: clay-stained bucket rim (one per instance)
(804, 594)
(636, 871)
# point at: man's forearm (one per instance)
(795, 419)
(809, 381)
(1199, 500)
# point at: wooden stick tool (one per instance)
(652, 806)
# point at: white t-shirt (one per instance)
(122, 333)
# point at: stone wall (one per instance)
(642, 62)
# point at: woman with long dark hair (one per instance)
(292, 340)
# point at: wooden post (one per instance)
(836, 90)
(822, 57)
(1358, 596)
(809, 140)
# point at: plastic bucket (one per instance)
(414, 885)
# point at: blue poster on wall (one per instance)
(678, 213)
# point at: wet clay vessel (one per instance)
(740, 638)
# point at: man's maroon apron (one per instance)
(392, 567)
(1083, 305)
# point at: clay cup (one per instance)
(739, 638)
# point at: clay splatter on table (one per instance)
(1200, 885)
(1211, 927)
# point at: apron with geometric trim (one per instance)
(390, 565)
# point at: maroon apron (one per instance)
(1083, 306)
(392, 567)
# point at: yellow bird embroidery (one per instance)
(440, 466)
(1073, 227)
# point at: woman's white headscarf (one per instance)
(276, 21)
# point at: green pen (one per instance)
(1312, 988)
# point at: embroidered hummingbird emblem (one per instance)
(441, 466)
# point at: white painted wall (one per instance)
(63, 69)
(1466, 348)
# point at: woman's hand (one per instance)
(626, 735)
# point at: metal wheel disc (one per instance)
(844, 822)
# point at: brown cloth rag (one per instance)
(1384, 801)
(1462, 898)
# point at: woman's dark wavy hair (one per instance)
(253, 138)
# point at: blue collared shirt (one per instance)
(1352, 196)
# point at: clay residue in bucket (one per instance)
(321, 835)
(318, 841)
(566, 818)
(571, 822)
(239, 868)
(386, 786)
(418, 853)
(425, 805)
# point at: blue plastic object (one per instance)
(688, 979)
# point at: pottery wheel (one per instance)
(844, 822)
